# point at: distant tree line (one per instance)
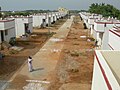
(24, 13)
(105, 9)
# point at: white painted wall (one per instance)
(36, 21)
(20, 27)
(95, 34)
(101, 26)
(10, 27)
(90, 22)
(1, 26)
(105, 39)
(48, 19)
(114, 40)
(98, 80)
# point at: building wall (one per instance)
(105, 41)
(114, 41)
(11, 33)
(90, 22)
(103, 77)
(101, 26)
(30, 21)
(30, 27)
(91, 29)
(48, 20)
(9, 27)
(36, 22)
(1, 26)
(95, 34)
(55, 18)
(19, 27)
(51, 19)
(98, 81)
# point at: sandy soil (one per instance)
(75, 66)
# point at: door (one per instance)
(26, 27)
(2, 36)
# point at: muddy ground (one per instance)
(14, 60)
(75, 67)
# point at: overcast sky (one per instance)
(52, 4)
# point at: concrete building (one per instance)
(7, 30)
(54, 17)
(106, 72)
(101, 30)
(39, 20)
(23, 24)
(63, 10)
(57, 15)
(89, 19)
(85, 16)
(48, 19)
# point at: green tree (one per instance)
(105, 9)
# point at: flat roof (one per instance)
(113, 60)
(6, 20)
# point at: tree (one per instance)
(105, 9)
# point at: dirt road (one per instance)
(75, 67)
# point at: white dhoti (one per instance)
(30, 65)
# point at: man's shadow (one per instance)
(37, 69)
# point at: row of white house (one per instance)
(100, 28)
(19, 25)
(106, 72)
(45, 19)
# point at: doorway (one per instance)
(26, 28)
(2, 36)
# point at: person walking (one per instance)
(30, 64)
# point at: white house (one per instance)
(39, 20)
(101, 31)
(100, 26)
(54, 17)
(7, 30)
(48, 19)
(85, 16)
(106, 72)
(89, 19)
(23, 24)
(57, 15)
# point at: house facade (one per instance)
(23, 24)
(7, 30)
(39, 20)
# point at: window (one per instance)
(6, 32)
